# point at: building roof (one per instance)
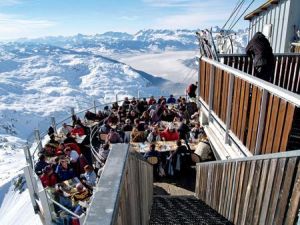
(260, 9)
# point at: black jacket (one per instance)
(260, 49)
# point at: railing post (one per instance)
(31, 185)
(198, 91)
(95, 106)
(116, 97)
(53, 124)
(229, 105)
(72, 111)
(261, 123)
(211, 92)
(38, 139)
(28, 156)
(46, 208)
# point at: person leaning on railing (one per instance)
(260, 50)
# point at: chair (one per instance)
(153, 160)
(195, 158)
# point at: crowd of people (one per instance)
(64, 158)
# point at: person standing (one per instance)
(191, 90)
(260, 50)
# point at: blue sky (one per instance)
(36, 18)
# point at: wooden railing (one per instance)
(255, 113)
(124, 193)
(254, 190)
(286, 71)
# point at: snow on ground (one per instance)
(168, 65)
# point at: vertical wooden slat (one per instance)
(248, 192)
(275, 191)
(279, 126)
(255, 120)
(253, 195)
(268, 191)
(287, 126)
(285, 189)
(293, 209)
(274, 114)
(239, 192)
(240, 114)
(260, 195)
(244, 189)
(251, 116)
(245, 113)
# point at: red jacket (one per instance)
(73, 146)
(169, 136)
(48, 180)
(79, 131)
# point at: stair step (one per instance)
(183, 210)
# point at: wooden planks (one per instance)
(253, 191)
(135, 198)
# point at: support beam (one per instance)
(38, 139)
(261, 123)
(211, 92)
(53, 124)
(229, 106)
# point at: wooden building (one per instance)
(278, 20)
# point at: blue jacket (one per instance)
(64, 174)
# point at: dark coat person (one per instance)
(260, 50)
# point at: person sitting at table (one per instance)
(113, 137)
(77, 130)
(171, 100)
(151, 101)
(132, 115)
(137, 136)
(170, 133)
(121, 114)
(40, 165)
(127, 128)
(103, 152)
(106, 111)
(77, 161)
(105, 128)
(64, 171)
(71, 154)
(48, 178)
(73, 146)
(89, 176)
(203, 150)
(184, 134)
(49, 150)
(140, 126)
(113, 119)
(145, 117)
(52, 141)
(152, 152)
(161, 99)
(126, 103)
(115, 106)
(154, 135)
(81, 194)
(196, 132)
(70, 139)
(65, 129)
(167, 116)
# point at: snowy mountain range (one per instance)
(119, 42)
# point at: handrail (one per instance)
(62, 207)
(275, 54)
(278, 155)
(104, 202)
(273, 89)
